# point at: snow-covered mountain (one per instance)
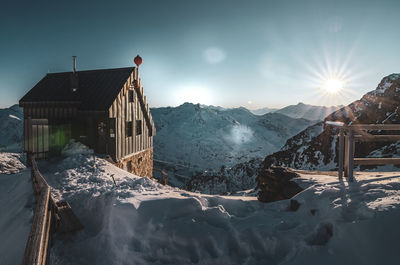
(263, 111)
(310, 112)
(11, 129)
(315, 147)
(192, 138)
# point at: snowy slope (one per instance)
(197, 138)
(11, 129)
(310, 112)
(16, 210)
(142, 222)
(315, 147)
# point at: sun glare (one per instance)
(333, 85)
(194, 94)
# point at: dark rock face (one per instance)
(294, 205)
(275, 184)
(321, 235)
(315, 147)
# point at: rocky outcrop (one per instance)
(227, 180)
(275, 184)
(315, 147)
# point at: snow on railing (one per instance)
(349, 134)
(49, 217)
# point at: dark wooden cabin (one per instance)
(103, 109)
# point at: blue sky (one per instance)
(228, 53)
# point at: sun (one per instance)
(333, 85)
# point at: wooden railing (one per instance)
(49, 217)
(164, 176)
(349, 134)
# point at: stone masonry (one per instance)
(140, 163)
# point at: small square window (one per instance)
(138, 127)
(129, 129)
(131, 96)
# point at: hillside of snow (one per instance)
(139, 221)
(16, 208)
(310, 112)
(192, 138)
(11, 129)
(315, 147)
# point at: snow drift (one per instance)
(139, 221)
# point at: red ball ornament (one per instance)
(138, 60)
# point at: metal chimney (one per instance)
(74, 80)
(74, 63)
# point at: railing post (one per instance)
(341, 153)
(350, 155)
(346, 155)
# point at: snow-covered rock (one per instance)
(228, 180)
(10, 163)
(315, 147)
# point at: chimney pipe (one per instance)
(74, 63)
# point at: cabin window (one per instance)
(129, 129)
(131, 96)
(138, 127)
(112, 127)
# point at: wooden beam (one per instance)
(350, 155)
(377, 138)
(341, 153)
(377, 161)
(391, 127)
(346, 156)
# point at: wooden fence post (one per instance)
(350, 155)
(346, 156)
(341, 153)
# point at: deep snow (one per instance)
(16, 209)
(142, 222)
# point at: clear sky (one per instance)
(228, 53)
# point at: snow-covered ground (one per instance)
(139, 221)
(16, 209)
(10, 163)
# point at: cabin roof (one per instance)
(96, 91)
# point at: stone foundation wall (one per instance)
(140, 163)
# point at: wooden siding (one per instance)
(123, 110)
(48, 111)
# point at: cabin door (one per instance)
(36, 137)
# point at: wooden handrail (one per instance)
(46, 220)
(349, 134)
(377, 161)
(38, 240)
(386, 127)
